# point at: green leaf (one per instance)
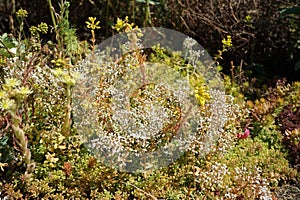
(6, 43)
(292, 10)
(3, 141)
(6, 152)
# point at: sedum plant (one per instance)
(36, 100)
(12, 95)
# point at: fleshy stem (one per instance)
(147, 14)
(92, 24)
(52, 12)
(93, 39)
(52, 15)
(20, 135)
(67, 122)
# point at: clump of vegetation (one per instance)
(43, 154)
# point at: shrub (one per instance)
(258, 30)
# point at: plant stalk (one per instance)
(67, 121)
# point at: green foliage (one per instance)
(6, 151)
(12, 94)
(258, 154)
(175, 60)
(8, 45)
(43, 157)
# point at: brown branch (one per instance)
(211, 23)
(232, 12)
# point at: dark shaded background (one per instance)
(268, 45)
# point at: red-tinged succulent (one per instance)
(245, 135)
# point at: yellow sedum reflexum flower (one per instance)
(201, 95)
(11, 82)
(123, 25)
(120, 24)
(200, 90)
(227, 42)
(24, 90)
(7, 104)
(3, 94)
(248, 19)
(58, 63)
(92, 23)
(58, 72)
(67, 79)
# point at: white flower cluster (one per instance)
(192, 55)
(148, 109)
(47, 92)
(211, 123)
(133, 116)
(189, 43)
(251, 181)
(214, 178)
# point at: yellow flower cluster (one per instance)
(227, 42)
(200, 90)
(92, 23)
(22, 13)
(12, 89)
(42, 27)
(123, 25)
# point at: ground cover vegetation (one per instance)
(256, 154)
